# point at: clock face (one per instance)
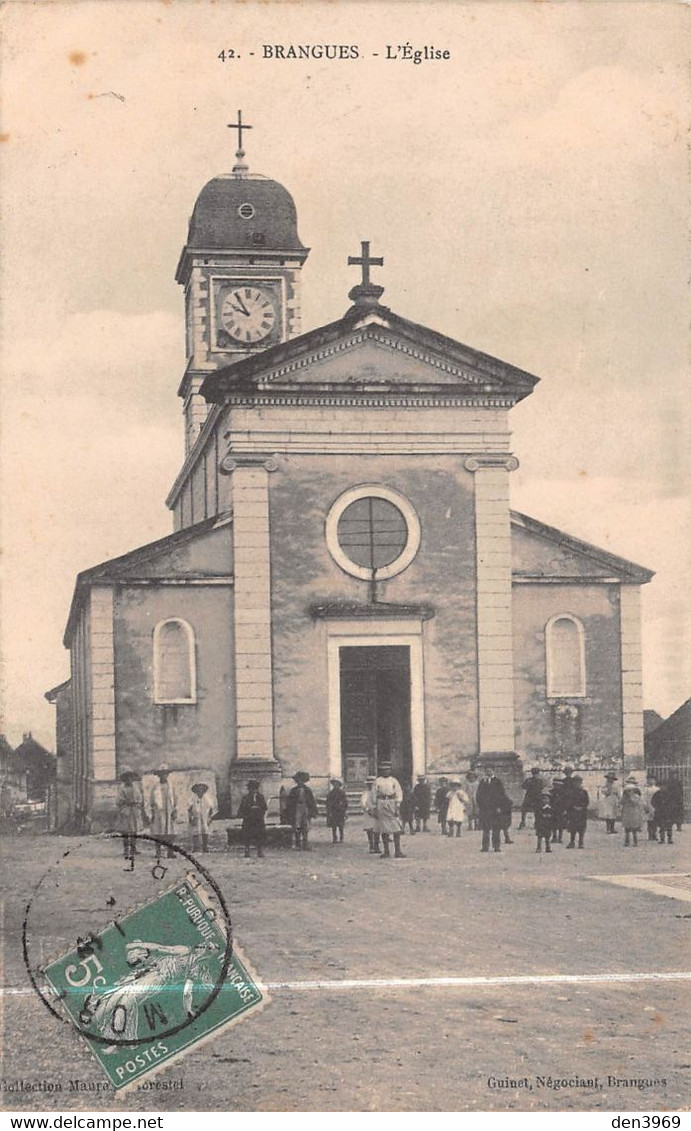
(248, 314)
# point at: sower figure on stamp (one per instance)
(441, 803)
(252, 809)
(156, 970)
(163, 804)
(301, 809)
(388, 792)
(491, 803)
(422, 803)
(130, 806)
(200, 812)
(336, 809)
(368, 804)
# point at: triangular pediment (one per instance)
(541, 552)
(202, 551)
(372, 352)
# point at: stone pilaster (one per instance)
(494, 611)
(252, 605)
(631, 676)
(102, 660)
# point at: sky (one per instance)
(530, 197)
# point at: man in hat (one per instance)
(252, 809)
(609, 802)
(301, 809)
(491, 803)
(388, 793)
(368, 804)
(200, 813)
(422, 803)
(532, 798)
(336, 809)
(163, 804)
(130, 806)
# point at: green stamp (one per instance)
(154, 984)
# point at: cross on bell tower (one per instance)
(366, 293)
(239, 167)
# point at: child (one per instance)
(368, 803)
(632, 811)
(336, 809)
(200, 813)
(441, 803)
(422, 803)
(301, 809)
(457, 806)
(252, 809)
(649, 790)
(609, 802)
(544, 820)
(577, 812)
(407, 809)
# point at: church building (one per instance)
(346, 583)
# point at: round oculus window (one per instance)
(372, 532)
(246, 211)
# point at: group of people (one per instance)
(564, 804)
(389, 809)
(158, 813)
(657, 808)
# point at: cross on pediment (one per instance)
(365, 260)
(239, 126)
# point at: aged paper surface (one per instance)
(522, 170)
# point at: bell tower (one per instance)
(241, 270)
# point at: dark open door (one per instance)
(375, 711)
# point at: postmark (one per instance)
(143, 987)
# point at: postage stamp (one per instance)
(155, 983)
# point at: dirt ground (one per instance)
(337, 914)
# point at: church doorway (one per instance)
(375, 711)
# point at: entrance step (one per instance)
(354, 807)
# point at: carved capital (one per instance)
(234, 460)
(491, 462)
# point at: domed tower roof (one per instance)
(247, 212)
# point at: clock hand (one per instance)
(242, 305)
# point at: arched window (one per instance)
(175, 669)
(565, 654)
